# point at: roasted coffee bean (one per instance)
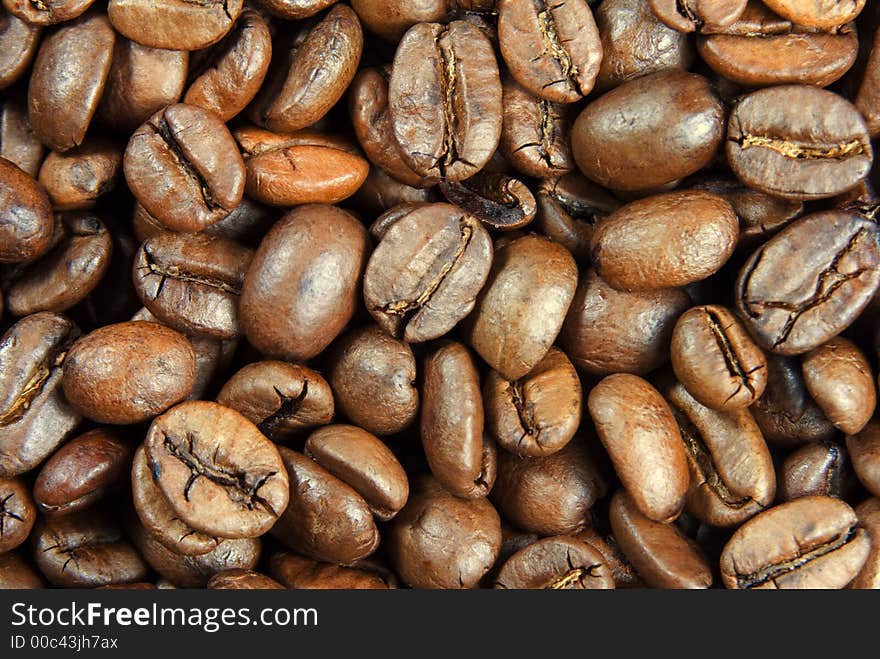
(192, 282)
(798, 142)
(869, 517)
(786, 413)
(445, 98)
(673, 124)
(303, 573)
(26, 220)
(327, 519)
(18, 574)
(440, 541)
(811, 542)
(551, 49)
(640, 433)
(716, 360)
(425, 274)
(218, 472)
(294, 9)
(34, 417)
(462, 459)
(521, 308)
(18, 45)
(288, 170)
(762, 49)
(68, 272)
(550, 495)
(307, 80)
(142, 81)
(302, 286)
(373, 380)
(381, 192)
(705, 15)
(559, 563)
(159, 518)
(238, 579)
(636, 43)
(362, 461)
(83, 471)
(390, 19)
(160, 371)
(499, 201)
(809, 282)
(610, 331)
(70, 71)
(663, 556)
(174, 24)
(821, 468)
(539, 413)
(76, 179)
(86, 549)
(824, 14)
(665, 240)
(39, 13)
(18, 144)
(732, 475)
(622, 571)
(183, 166)
(281, 399)
(866, 100)
(864, 452)
(17, 513)
(226, 77)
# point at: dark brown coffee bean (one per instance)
(84, 470)
(86, 549)
(218, 472)
(17, 513)
(302, 286)
(68, 272)
(192, 282)
(18, 574)
(821, 468)
(183, 166)
(461, 458)
(18, 144)
(362, 461)
(558, 563)
(809, 282)
(159, 373)
(76, 179)
(18, 45)
(665, 240)
(636, 43)
(440, 541)
(663, 556)
(313, 74)
(499, 201)
(622, 571)
(824, 14)
(539, 413)
(327, 519)
(716, 360)
(673, 125)
(142, 81)
(642, 438)
(689, 15)
(869, 517)
(811, 542)
(281, 399)
(299, 572)
(380, 192)
(798, 142)
(838, 377)
(445, 98)
(69, 75)
(762, 49)
(864, 452)
(34, 417)
(174, 24)
(425, 274)
(550, 495)
(238, 579)
(159, 518)
(373, 379)
(866, 100)
(610, 331)
(521, 308)
(786, 413)
(26, 220)
(551, 49)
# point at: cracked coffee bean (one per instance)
(17, 513)
(703, 15)
(558, 563)
(217, 471)
(499, 201)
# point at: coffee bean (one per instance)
(18, 45)
(812, 542)
(499, 201)
(17, 513)
(705, 15)
(74, 180)
(559, 563)
(390, 19)
(26, 219)
(869, 89)
(864, 452)
(869, 517)
(238, 579)
(18, 144)
(823, 14)
(294, 9)
(47, 14)
(822, 468)
(303, 573)
(16, 573)
(173, 24)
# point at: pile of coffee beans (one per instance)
(440, 294)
